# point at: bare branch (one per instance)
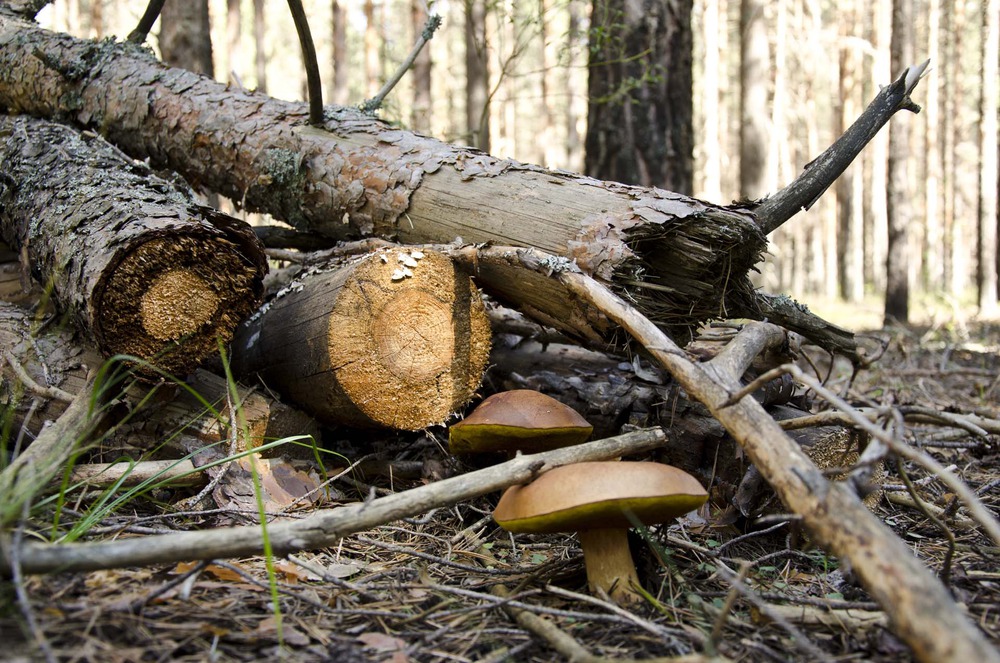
(373, 104)
(818, 175)
(323, 527)
(313, 81)
(149, 17)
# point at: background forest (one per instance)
(672, 97)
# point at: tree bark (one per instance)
(186, 36)
(986, 270)
(234, 39)
(373, 68)
(640, 127)
(420, 117)
(398, 339)
(260, 43)
(477, 76)
(340, 55)
(139, 266)
(850, 221)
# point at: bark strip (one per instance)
(133, 259)
(398, 338)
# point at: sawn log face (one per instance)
(397, 338)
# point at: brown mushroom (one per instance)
(601, 501)
(519, 420)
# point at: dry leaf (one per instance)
(381, 641)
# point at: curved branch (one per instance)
(313, 82)
(819, 174)
(149, 17)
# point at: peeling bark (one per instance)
(138, 265)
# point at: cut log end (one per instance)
(409, 343)
(399, 339)
(176, 305)
(169, 299)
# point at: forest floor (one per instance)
(430, 589)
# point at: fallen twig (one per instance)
(323, 527)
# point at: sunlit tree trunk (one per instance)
(477, 75)
(234, 38)
(934, 249)
(574, 45)
(878, 25)
(97, 19)
(260, 44)
(897, 261)
(372, 64)
(710, 186)
(754, 114)
(639, 120)
(986, 270)
(186, 36)
(850, 219)
(341, 63)
(420, 116)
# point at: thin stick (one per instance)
(921, 610)
(313, 81)
(323, 527)
(432, 24)
(54, 393)
(975, 507)
(817, 177)
(149, 17)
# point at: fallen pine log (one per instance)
(680, 260)
(140, 267)
(396, 338)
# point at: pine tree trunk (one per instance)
(754, 76)
(897, 261)
(234, 39)
(420, 118)
(341, 58)
(260, 43)
(185, 36)
(640, 117)
(477, 76)
(986, 271)
(140, 267)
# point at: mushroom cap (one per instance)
(599, 495)
(518, 420)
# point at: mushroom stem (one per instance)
(609, 564)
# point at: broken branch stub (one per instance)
(138, 264)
